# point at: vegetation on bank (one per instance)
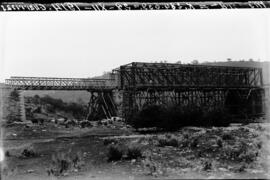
(216, 149)
(174, 117)
(52, 105)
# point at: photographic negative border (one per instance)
(29, 6)
(125, 6)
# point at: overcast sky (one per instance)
(85, 44)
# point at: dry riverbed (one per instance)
(52, 152)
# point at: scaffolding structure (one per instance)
(238, 89)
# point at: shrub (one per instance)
(109, 141)
(184, 143)
(164, 141)
(36, 99)
(242, 168)
(52, 104)
(63, 162)
(259, 144)
(227, 136)
(194, 143)
(207, 165)
(134, 152)
(115, 152)
(171, 118)
(150, 166)
(148, 117)
(50, 108)
(7, 154)
(219, 143)
(248, 156)
(77, 109)
(56, 103)
(28, 153)
(77, 160)
(185, 135)
(85, 123)
(15, 95)
(217, 117)
(241, 152)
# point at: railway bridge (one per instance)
(238, 89)
(100, 91)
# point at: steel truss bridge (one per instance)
(52, 83)
(239, 89)
(101, 101)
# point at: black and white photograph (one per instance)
(135, 90)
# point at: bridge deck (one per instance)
(51, 83)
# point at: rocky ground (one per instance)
(52, 151)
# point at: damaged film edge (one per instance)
(100, 6)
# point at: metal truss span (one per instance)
(51, 83)
(164, 75)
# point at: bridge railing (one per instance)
(58, 83)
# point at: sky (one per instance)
(86, 44)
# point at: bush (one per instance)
(185, 135)
(50, 108)
(78, 110)
(36, 99)
(164, 141)
(63, 162)
(134, 152)
(217, 117)
(241, 168)
(56, 103)
(240, 152)
(7, 154)
(259, 144)
(184, 143)
(227, 136)
(15, 95)
(207, 165)
(150, 166)
(248, 156)
(148, 117)
(194, 143)
(28, 153)
(174, 117)
(115, 152)
(219, 143)
(109, 141)
(85, 123)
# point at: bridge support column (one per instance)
(22, 106)
(101, 105)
